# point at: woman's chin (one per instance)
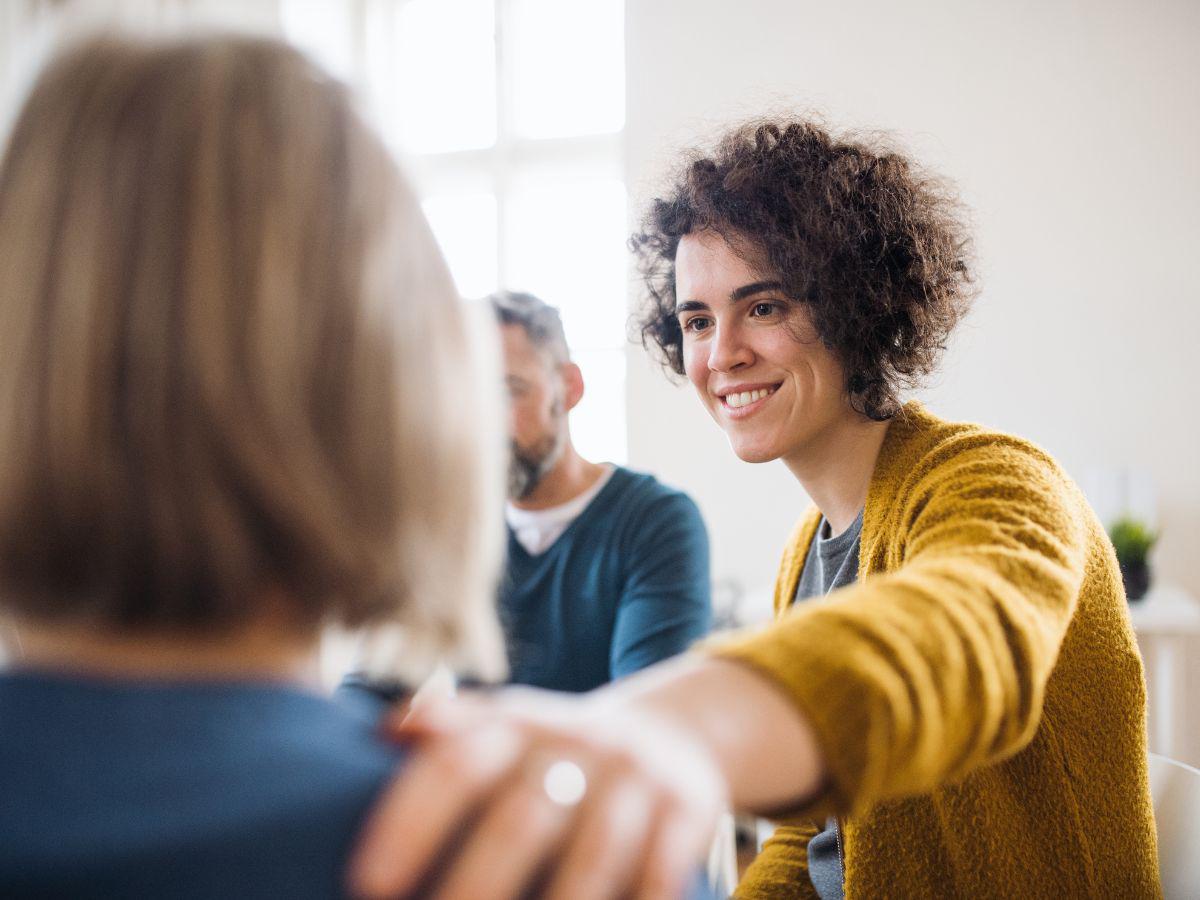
(753, 453)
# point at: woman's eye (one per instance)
(696, 323)
(763, 309)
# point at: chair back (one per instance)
(1175, 788)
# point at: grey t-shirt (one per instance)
(832, 563)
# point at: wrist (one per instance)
(759, 741)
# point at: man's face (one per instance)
(753, 355)
(537, 411)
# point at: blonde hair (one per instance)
(232, 360)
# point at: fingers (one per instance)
(423, 808)
(672, 856)
(442, 716)
(436, 716)
(478, 777)
(511, 842)
(606, 847)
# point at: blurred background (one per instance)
(537, 130)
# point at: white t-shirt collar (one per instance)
(537, 529)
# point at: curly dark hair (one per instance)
(876, 249)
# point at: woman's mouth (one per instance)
(742, 403)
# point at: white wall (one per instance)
(1071, 129)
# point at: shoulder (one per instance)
(262, 742)
(642, 490)
(958, 479)
(268, 784)
(644, 504)
(646, 520)
(922, 453)
(305, 782)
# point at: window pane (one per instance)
(446, 75)
(322, 29)
(598, 422)
(465, 227)
(568, 67)
(565, 242)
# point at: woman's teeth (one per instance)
(733, 401)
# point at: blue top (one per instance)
(114, 788)
(626, 585)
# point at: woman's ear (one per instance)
(573, 382)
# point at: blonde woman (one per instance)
(237, 404)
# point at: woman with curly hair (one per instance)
(951, 701)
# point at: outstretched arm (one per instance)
(663, 752)
(917, 677)
(903, 681)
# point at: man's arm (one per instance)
(666, 604)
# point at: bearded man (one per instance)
(607, 569)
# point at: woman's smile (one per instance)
(752, 353)
(742, 401)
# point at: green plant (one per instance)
(1132, 540)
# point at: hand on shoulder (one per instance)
(582, 797)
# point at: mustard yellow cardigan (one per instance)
(978, 694)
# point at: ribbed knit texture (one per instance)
(978, 695)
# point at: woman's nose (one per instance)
(728, 351)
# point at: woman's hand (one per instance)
(581, 797)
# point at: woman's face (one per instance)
(753, 355)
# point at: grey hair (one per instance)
(541, 322)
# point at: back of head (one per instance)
(233, 360)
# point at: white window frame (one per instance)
(371, 27)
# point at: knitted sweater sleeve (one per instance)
(938, 664)
(781, 869)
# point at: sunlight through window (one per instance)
(465, 227)
(568, 67)
(508, 114)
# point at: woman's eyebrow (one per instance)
(757, 287)
(746, 290)
(689, 306)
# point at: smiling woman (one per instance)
(960, 710)
(875, 248)
(753, 355)
(802, 281)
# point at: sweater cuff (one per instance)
(809, 668)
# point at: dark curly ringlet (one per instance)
(877, 249)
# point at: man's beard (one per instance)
(527, 467)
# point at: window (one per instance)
(508, 114)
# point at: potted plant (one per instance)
(1132, 540)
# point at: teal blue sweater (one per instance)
(115, 788)
(626, 585)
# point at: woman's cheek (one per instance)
(695, 369)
